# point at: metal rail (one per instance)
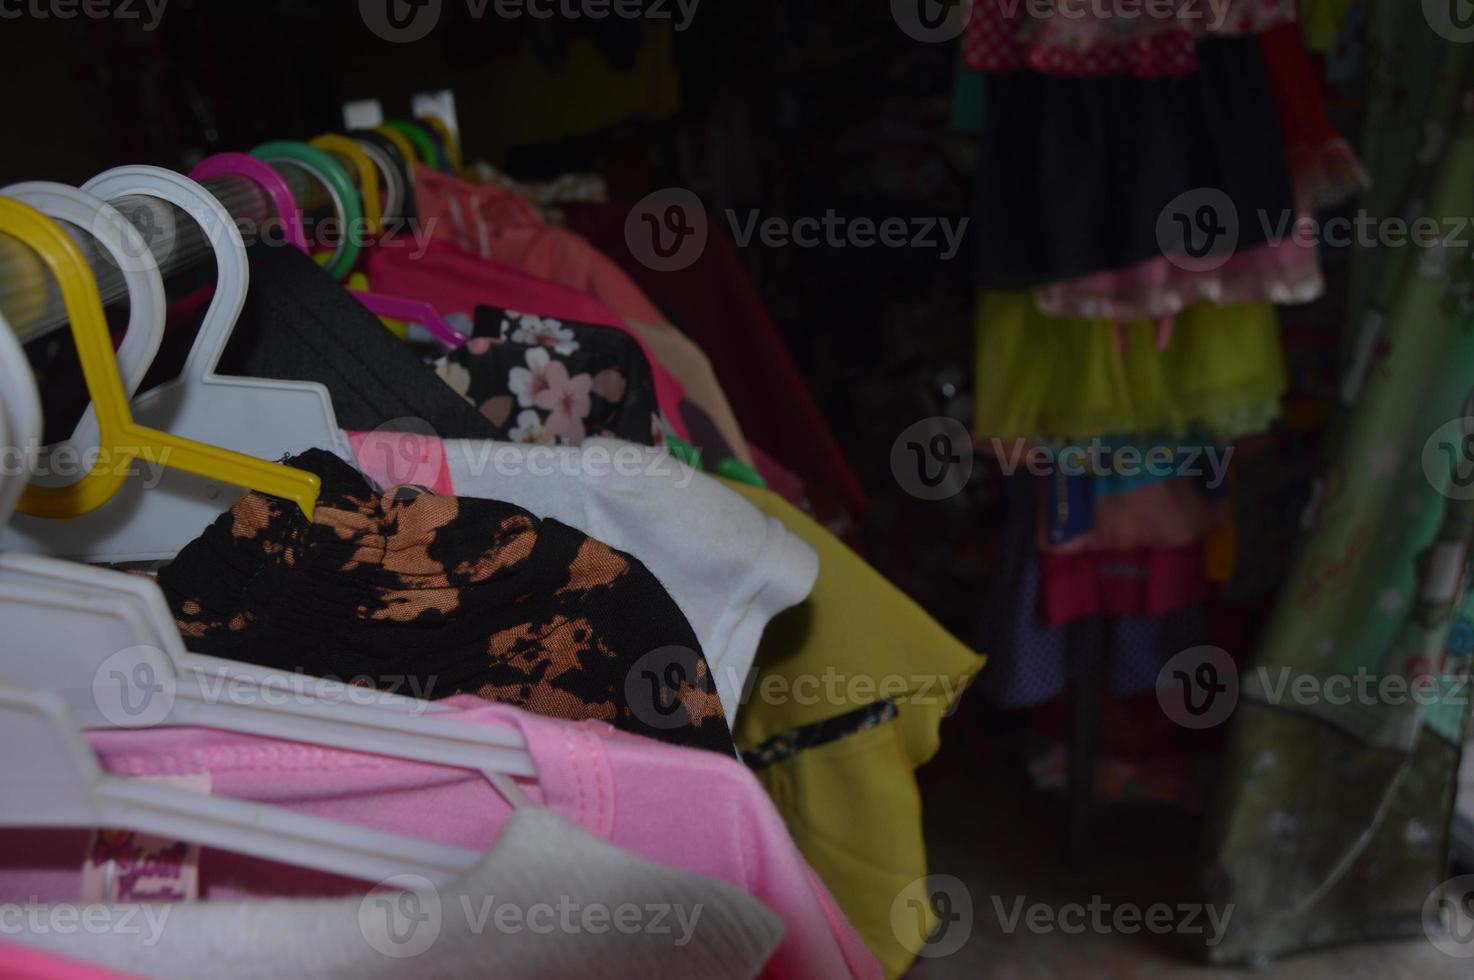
(29, 298)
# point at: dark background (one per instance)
(787, 107)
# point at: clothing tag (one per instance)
(123, 866)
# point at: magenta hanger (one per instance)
(413, 311)
(243, 165)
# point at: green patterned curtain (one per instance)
(1331, 822)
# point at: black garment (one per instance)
(431, 596)
(786, 745)
(538, 378)
(59, 381)
(1076, 172)
(300, 324)
(705, 436)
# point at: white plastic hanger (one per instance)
(94, 650)
(20, 433)
(53, 779)
(147, 308)
(63, 620)
(389, 179)
(62, 630)
(87, 584)
(20, 420)
(155, 514)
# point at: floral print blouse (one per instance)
(543, 380)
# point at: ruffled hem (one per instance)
(1286, 274)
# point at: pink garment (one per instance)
(699, 811)
(457, 210)
(494, 222)
(1142, 582)
(456, 281)
(24, 963)
(995, 42)
(1166, 514)
(568, 258)
(1085, 39)
(1286, 273)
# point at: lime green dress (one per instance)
(1045, 377)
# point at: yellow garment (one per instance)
(852, 804)
(1047, 377)
(854, 811)
(1321, 22)
(530, 101)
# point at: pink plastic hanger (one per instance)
(263, 173)
(413, 311)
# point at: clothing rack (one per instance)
(30, 301)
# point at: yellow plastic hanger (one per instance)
(368, 175)
(405, 147)
(451, 147)
(122, 440)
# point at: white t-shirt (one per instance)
(728, 567)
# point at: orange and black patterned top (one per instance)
(431, 596)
